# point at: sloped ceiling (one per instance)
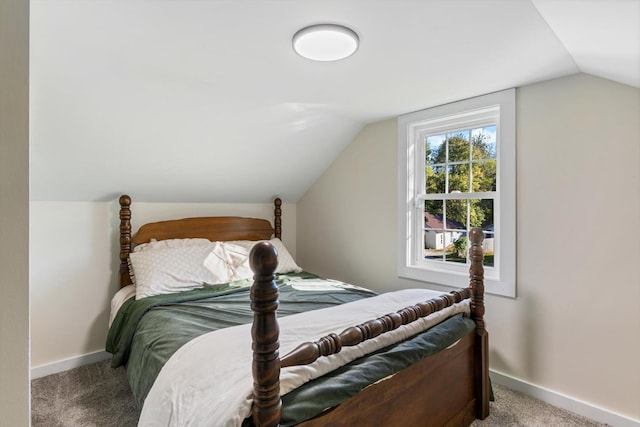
(203, 100)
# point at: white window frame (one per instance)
(497, 108)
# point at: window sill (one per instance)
(455, 278)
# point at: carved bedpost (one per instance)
(125, 240)
(267, 405)
(476, 277)
(278, 218)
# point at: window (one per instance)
(456, 168)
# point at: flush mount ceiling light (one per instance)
(325, 42)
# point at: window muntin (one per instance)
(457, 171)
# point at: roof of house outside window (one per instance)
(436, 222)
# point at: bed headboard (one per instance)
(215, 228)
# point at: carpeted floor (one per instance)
(97, 395)
(92, 395)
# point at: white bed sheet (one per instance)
(120, 298)
(208, 381)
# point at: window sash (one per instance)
(419, 229)
(491, 110)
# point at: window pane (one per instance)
(488, 250)
(481, 215)
(458, 146)
(435, 149)
(456, 230)
(434, 242)
(484, 142)
(435, 179)
(458, 176)
(456, 213)
(433, 213)
(459, 248)
(484, 176)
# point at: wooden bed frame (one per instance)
(450, 388)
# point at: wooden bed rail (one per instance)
(267, 405)
(309, 352)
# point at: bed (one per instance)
(420, 360)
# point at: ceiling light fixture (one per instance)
(325, 42)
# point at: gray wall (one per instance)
(14, 213)
(573, 327)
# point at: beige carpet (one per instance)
(512, 408)
(96, 395)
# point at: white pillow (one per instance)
(154, 244)
(229, 260)
(286, 263)
(170, 270)
(174, 265)
(171, 243)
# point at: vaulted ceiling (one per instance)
(205, 100)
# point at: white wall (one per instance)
(573, 329)
(72, 276)
(74, 262)
(14, 213)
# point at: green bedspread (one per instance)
(162, 324)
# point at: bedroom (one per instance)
(545, 346)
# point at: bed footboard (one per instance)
(436, 391)
(464, 376)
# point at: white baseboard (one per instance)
(562, 401)
(70, 363)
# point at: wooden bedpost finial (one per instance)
(476, 235)
(267, 405)
(125, 200)
(263, 259)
